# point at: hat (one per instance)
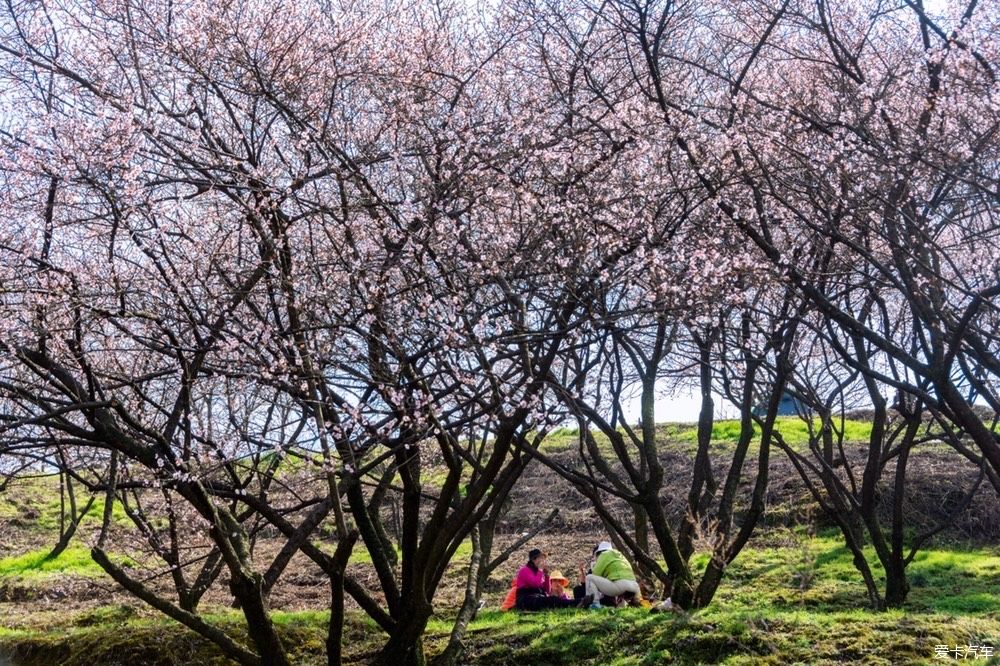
(559, 578)
(603, 546)
(535, 553)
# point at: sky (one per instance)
(680, 405)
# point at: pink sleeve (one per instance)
(525, 578)
(547, 584)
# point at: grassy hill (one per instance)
(793, 596)
(795, 601)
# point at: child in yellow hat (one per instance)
(558, 584)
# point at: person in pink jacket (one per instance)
(534, 586)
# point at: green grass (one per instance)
(618, 637)
(789, 598)
(75, 560)
(360, 554)
(725, 433)
(793, 430)
(818, 574)
(718, 635)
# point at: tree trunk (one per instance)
(861, 564)
(682, 589)
(229, 647)
(406, 646)
(710, 580)
(470, 604)
(248, 589)
(335, 632)
(703, 484)
(896, 585)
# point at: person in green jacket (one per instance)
(611, 576)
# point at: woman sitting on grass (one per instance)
(557, 588)
(534, 586)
